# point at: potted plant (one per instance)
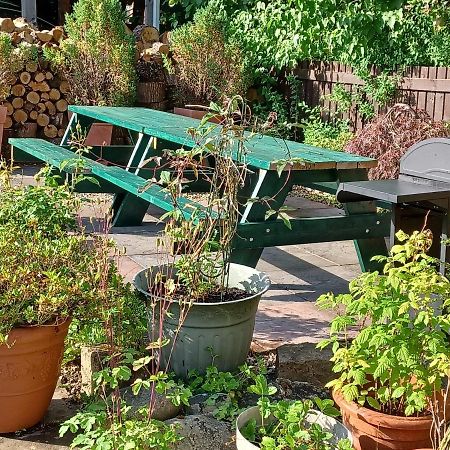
(203, 306)
(97, 58)
(209, 65)
(48, 273)
(391, 372)
(289, 425)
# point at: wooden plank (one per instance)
(415, 82)
(313, 229)
(264, 151)
(152, 193)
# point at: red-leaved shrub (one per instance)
(389, 136)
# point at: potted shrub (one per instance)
(209, 64)
(289, 425)
(47, 275)
(203, 306)
(97, 58)
(392, 371)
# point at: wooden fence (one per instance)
(425, 88)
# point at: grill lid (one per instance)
(429, 159)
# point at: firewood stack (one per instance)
(151, 50)
(38, 98)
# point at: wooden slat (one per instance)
(264, 150)
(55, 155)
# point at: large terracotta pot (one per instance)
(99, 134)
(29, 371)
(372, 430)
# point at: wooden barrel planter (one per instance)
(152, 94)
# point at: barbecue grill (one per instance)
(420, 196)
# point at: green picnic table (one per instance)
(125, 175)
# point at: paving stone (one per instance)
(202, 432)
(14, 444)
(163, 408)
(304, 362)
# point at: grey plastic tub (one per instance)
(224, 329)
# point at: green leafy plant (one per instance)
(210, 64)
(98, 56)
(98, 430)
(400, 356)
(225, 389)
(332, 135)
(287, 425)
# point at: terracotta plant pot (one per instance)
(372, 430)
(29, 371)
(194, 114)
(99, 134)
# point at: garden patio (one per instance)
(224, 225)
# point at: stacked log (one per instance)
(151, 50)
(37, 94)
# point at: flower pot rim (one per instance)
(264, 278)
(46, 325)
(376, 417)
(312, 412)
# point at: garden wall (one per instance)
(421, 87)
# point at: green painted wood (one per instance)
(264, 151)
(312, 229)
(56, 155)
(272, 185)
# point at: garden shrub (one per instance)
(210, 63)
(334, 136)
(280, 33)
(98, 56)
(389, 136)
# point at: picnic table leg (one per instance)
(273, 189)
(129, 210)
(365, 248)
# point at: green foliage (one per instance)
(98, 429)
(225, 389)
(400, 356)
(332, 135)
(209, 63)
(126, 314)
(289, 425)
(98, 56)
(377, 89)
(281, 33)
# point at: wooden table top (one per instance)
(263, 152)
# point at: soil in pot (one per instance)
(372, 430)
(223, 329)
(29, 371)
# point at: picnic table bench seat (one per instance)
(135, 185)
